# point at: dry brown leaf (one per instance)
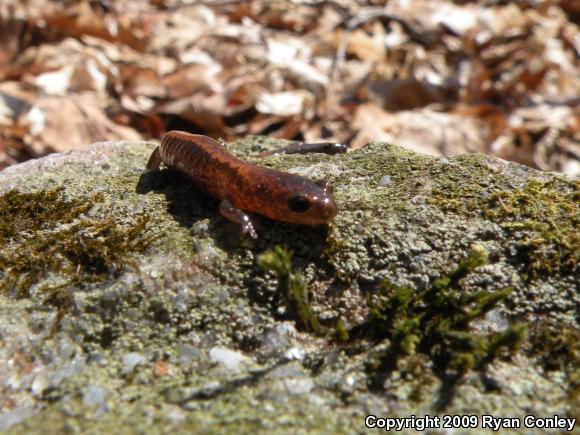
(370, 48)
(292, 58)
(66, 67)
(544, 136)
(404, 94)
(9, 41)
(204, 111)
(285, 15)
(60, 123)
(424, 131)
(192, 79)
(143, 82)
(123, 55)
(14, 100)
(80, 19)
(291, 103)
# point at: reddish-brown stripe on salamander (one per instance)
(242, 186)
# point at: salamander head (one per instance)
(312, 205)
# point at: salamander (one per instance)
(243, 187)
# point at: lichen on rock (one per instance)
(450, 288)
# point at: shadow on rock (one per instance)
(189, 205)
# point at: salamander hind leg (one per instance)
(228, 211)
(154, 161)
(151, 179)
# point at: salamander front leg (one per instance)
(154, 161)
(228, 211)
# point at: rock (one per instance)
(299, 387)
(132, 360)
(95, 397)
(277, 340)
(442, 286)
(230, 359)
(15, 416)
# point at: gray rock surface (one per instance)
(128, 304)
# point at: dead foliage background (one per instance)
(443, 78)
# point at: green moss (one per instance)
(436, 323)
(21, 212)
(543, 216)
(558, 349)
(292, 285)
(48, 239)
(340, 331)
(461, 187)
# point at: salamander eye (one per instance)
(298, 204)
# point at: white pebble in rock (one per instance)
(66, 349)
(385, 180)
(295, 354)
(297, 387)
(14, 416)
(279, 338)
(226, 357)
(40, 383)
(95, 397)
(132, 360)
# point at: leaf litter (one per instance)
(442, 78)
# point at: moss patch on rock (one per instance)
(437, 323)
(558, 350)
(543, 217)
(46, 241)
(373, 314)
(292, 287)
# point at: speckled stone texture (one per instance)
(186, 333)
